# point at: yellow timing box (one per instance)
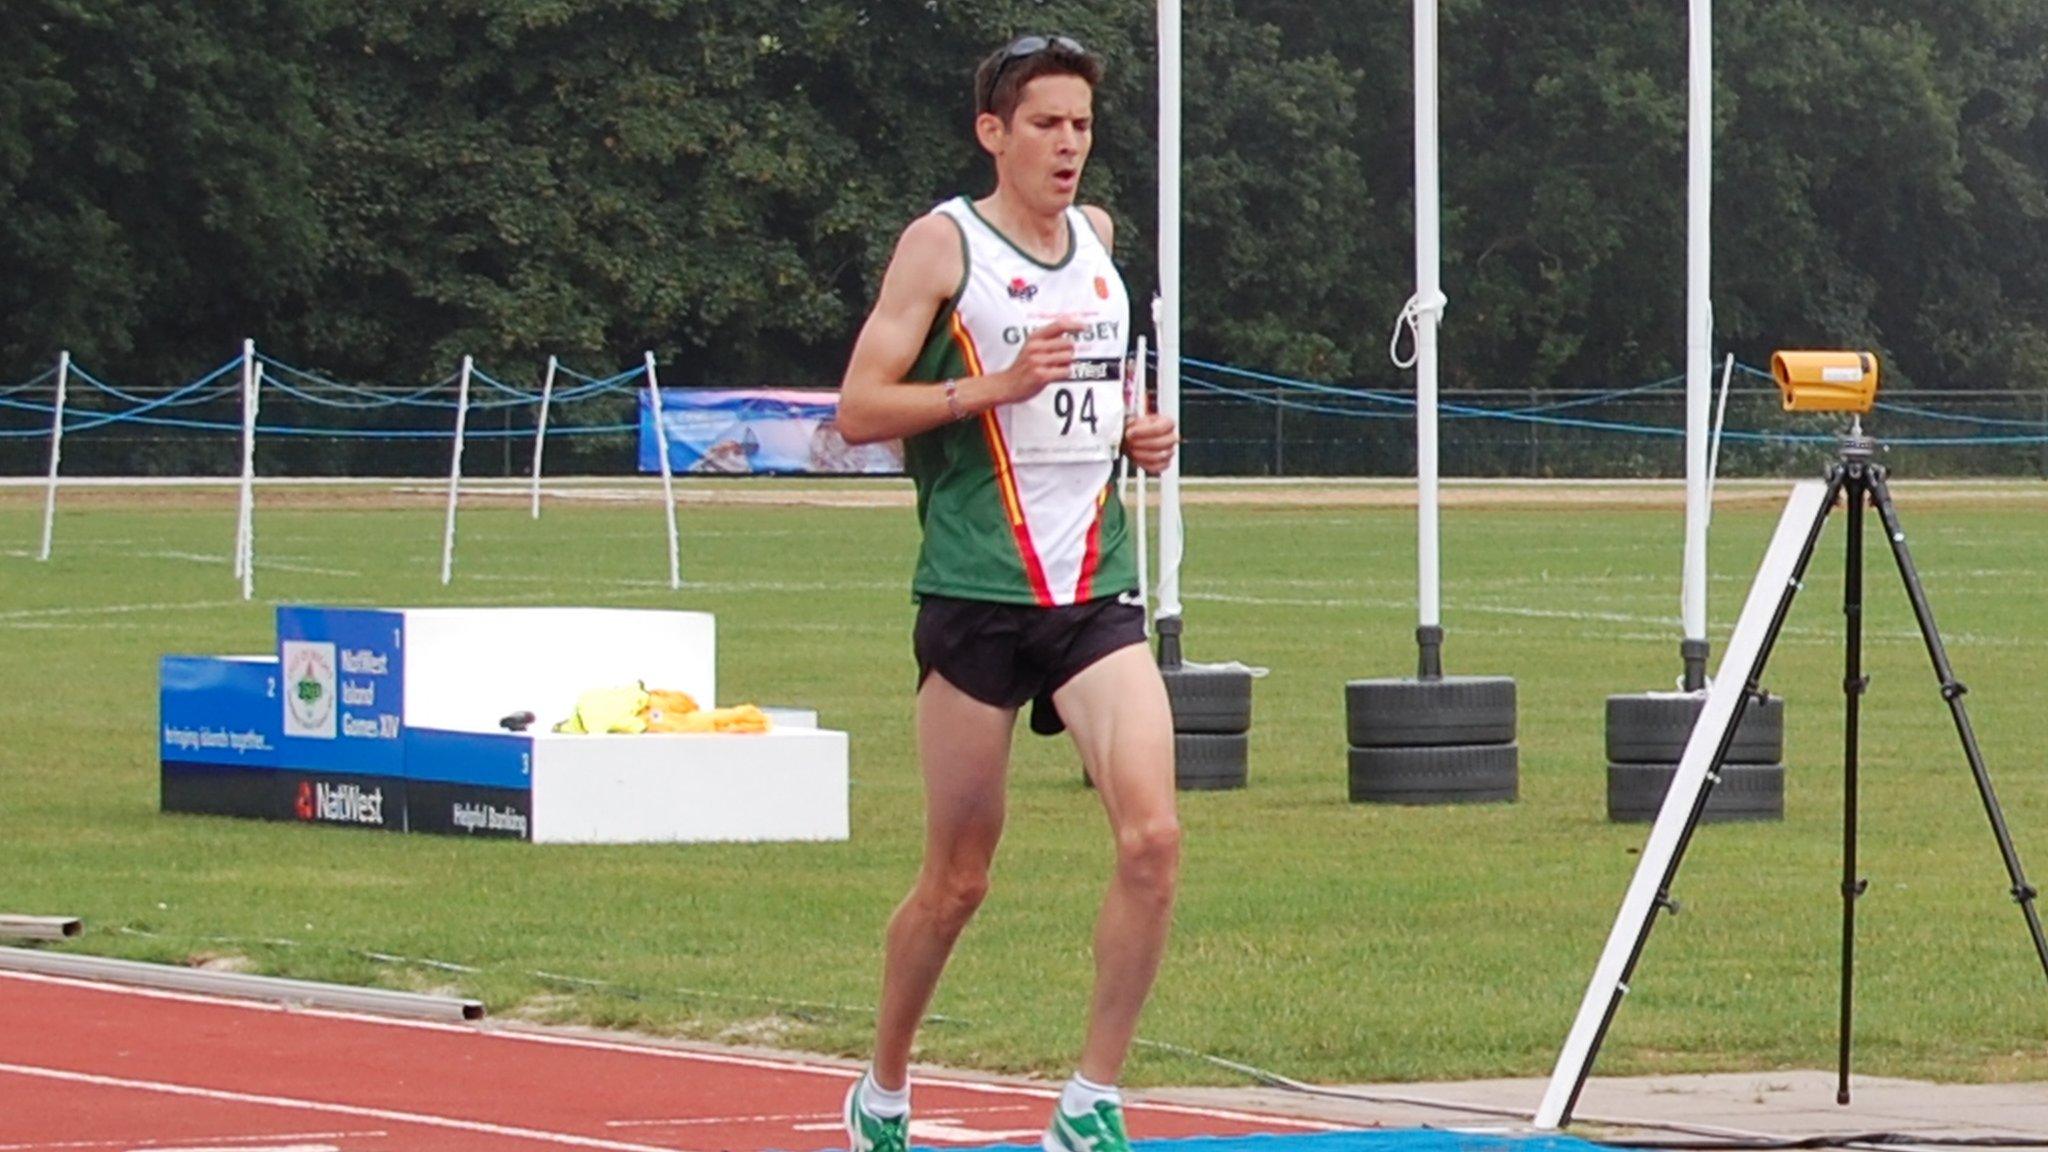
(1826, 381)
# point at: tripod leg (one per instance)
(1778, 581)
(1952, 690)
(1856, 492)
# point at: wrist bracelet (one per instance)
(953, 401)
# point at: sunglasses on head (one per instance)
(1023, 48)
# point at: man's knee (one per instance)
(1148, 853)
(954, 898)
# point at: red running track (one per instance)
(88, 1066)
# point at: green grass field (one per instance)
(1320, 939)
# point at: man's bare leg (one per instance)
(1121, 722)
(963, 747)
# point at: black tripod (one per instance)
(1856, 481)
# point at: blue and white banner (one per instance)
(758, 431)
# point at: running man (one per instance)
(996, 350)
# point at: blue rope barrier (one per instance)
(327, 433)
(1278, 401)
(1303, 385)
(182, 390)
(492, 382)
(636, 370)
(1514, 416)
(29, 383)
(1957, 417)
(373, 397)
(596, 388)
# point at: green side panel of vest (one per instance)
(969, 550)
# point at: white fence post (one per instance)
(455, 472)
(540, 433)
(252, 404)
(668, 483)
(56, 453)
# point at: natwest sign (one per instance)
(339, 803)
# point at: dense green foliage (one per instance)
(378, 189)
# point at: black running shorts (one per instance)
(1007, 654)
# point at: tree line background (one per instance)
(374, 190)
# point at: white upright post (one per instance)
(56, 453)
(242, 499)
(1698, 336)
(1166, 309)
(1720, 422)
(251, 408)
(540, 432)
(455, 472)
(1138, 407)
(668, 481)
(1428, 311)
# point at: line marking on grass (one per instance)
(424, 1119)
(1808, 632)
(838, 1072)
(114, 609)
(261, 562)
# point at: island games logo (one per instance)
(308, 673)
(1022, 289)
(339, 803)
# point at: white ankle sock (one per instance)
(1081, 1095)
(879, 1102)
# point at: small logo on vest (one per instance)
(1101, 288)
(1020, 289)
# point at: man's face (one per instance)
(1040, 153)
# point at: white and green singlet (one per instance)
(1018, 504)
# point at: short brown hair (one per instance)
(999, 82)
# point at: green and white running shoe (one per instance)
(867, 1132)
(1100, 1129)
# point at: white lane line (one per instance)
(239, 1143)
(836, 1072)
(420, 1118)
(151, 1147)
(801, 1117)
(944, 1132)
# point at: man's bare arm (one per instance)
(874, 401)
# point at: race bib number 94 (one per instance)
(1077, 420)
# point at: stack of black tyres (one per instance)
(1647, 734)
(1443, 740)
(1212, 721)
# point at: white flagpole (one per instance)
(248, 433)
(455, 472)
(56, 453)
(1166, 316)
(1428, 310)
(1699, 331)
(540, 432)
(252, 408)
(1138, 405)
(668, 482)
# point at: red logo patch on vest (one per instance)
(1102, 287)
